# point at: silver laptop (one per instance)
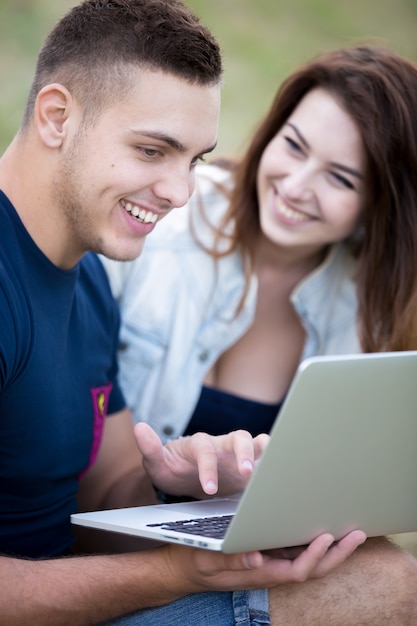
(342, 456)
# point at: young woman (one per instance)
(306, 246)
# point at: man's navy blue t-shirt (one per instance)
(58, 381)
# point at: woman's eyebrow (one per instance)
(299, 135)
(347, 169)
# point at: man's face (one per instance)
(118, 177)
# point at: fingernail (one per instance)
(211, 486)
(328, 545)
(247, 465)
(252, 560)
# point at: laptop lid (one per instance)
(342, 455)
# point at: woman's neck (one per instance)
(289, 265)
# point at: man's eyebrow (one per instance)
(170, 141)
(339, 166)
(155, 134)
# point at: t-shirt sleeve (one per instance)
(117, 401)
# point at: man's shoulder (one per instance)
(13, 288)
(16, 323)
(94, 282)
(91, 265)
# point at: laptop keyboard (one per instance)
(206, 526)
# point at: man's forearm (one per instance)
(133, 489)
(83, 590)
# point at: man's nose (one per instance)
(175, 187)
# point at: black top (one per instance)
(218, 412)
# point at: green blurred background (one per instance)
(262, 42)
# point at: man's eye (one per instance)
(149, 152)
(196, 160)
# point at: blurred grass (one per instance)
(262, 42)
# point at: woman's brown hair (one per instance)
(378, 89)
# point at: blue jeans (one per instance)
(240, 608)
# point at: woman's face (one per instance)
(310, 178)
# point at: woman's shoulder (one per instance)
(200, 215)
(210, 175)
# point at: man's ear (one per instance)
(53, 107)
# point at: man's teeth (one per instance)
(141, 215)
(291, 214)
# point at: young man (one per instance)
(124, 103)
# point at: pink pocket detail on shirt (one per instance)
(100, 397)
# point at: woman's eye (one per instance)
(293, 145)
(342, 180)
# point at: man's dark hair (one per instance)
(92, 49)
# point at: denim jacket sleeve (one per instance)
(326, 302)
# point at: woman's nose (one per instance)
(298, 184)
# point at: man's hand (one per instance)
(216, 571)
(201, 464)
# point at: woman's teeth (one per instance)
(291, 214)
(147, 217)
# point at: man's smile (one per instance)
(142, 215)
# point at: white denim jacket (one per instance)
(178, 310)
